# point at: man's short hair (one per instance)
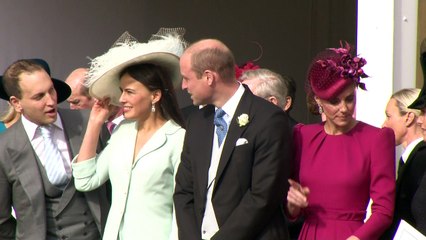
(215, 59)
(12, 73)
(267, 83)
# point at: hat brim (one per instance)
(108, 84)
(420, 102)
(63, 91)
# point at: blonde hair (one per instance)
(404, 98)
(9, 116)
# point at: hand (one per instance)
(297, 198)
(352, 238)
(101, 110)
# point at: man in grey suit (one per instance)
(232, 179)
(46, 206)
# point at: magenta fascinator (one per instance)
(333, 69)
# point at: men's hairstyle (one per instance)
(404, 98)
(12, 73)
(154, 78)
(218, 60)
(268, 83)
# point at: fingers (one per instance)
(297, 195)
(297, 186)
(105, 102)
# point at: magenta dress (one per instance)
(342, 173)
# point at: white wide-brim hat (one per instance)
(162, 50)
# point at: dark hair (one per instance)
(154, 78)
(12, 73)
(291, 89)
(311, 103)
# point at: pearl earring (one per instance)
(153, 107)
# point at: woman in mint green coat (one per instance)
(143, 154)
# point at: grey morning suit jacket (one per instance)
(21, 184)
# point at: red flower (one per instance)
(247, 66)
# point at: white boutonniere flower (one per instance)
(243, 120)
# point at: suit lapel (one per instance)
(73, 136)
(156, 141)
(234, 132)
(407, 164)
(24, 159)
(205, 128)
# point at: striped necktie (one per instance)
(54, 164)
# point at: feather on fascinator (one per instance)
(163, 49)
(334, 69)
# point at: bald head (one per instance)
(211, 54)
(208, 71)
(80, 98)
(207, 44)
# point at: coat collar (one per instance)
(408, 163)
(158, 139)
(235, 131)
(204, 149)
(23, 158)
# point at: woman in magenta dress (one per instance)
(341, 163)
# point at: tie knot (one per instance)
(46, 131)
(219, 113)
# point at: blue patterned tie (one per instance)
(221, 126)
(54, 164)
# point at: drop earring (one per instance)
(320, 110)
(153, 107)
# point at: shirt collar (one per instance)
(231, 105)
(410, 148)
(31, 128)
(118, 119)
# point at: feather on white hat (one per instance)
(163, 49)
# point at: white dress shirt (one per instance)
(209, 225)
(409, 149)
(36, 139)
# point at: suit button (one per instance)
(64, 237)
(86, 223)
(60, 227)
(57, 218)
(85, 213)
(85, 234)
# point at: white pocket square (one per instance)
(241, 141)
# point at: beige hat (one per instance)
(163, 49)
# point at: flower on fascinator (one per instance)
(245, 67)
(332, 70)
(348, 67)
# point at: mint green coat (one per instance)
(142, 192)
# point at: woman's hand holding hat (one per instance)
(101, 111)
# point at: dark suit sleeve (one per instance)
(262, 202)
(184, 198)
(419, 207)
(7, 222)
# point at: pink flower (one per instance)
(247, 66)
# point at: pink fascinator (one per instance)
(334, 69)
